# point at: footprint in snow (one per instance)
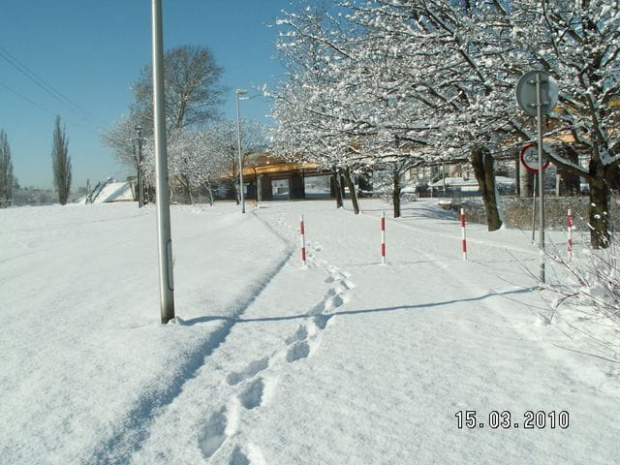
(315, 246)
(252, 369)
(239, 458)
(300, 335)
(317, 309)
(336, 275)
(252, 396)
(322, 263)
(213, 433)
(333, 302)
(298, 351)
(342, 287)
(321, 321)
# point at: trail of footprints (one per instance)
(311, 246)
(253, 387)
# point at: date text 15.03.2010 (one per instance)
(505, 420)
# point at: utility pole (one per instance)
(240, 92)
(164, 237)
(140, 140)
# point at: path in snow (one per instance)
(346, 361)
(452, 345)
(427, 336)
(244, 383)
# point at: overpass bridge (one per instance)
(261, 170)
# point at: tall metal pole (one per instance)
(239, 92)
(140, 177)
(164, 238)
(534, 209)
(541, 184)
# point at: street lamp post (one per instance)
(238, 93)
(140, 140)
(164, 236)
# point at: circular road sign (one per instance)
(526, 92)
(529, 157)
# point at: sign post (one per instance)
(537, 94)
(529, 159)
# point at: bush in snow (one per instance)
(518, 212)
(586, 302)
(591, 281)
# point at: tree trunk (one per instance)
(188, 194)
(396, 188)
(518, 168)
(364, 183)
(599, 206)
(613, 177)
(235, 181)
(349, 181)
(569, 180)
(185, 187)
(483, 164)
(526, 181)
(210, 191)
(337, 189)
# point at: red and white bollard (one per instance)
(383, 238)
(464, 239)
(570, 235)
(302, 236)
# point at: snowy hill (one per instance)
(343, 362)
(111, 192)
(115, 192)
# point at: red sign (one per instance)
(529, 157)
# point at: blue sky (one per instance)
(90, 51)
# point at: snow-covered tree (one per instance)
(455, 62)
(399, 83)
(193, 95)
(221, 141)
(438, 79)
(121, 138)
(192, 89)
(316, 120)
(578, 43)
(494, 43)
(61, 162)
(7, 181)
(205, 158)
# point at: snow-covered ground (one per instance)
(268, 363)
